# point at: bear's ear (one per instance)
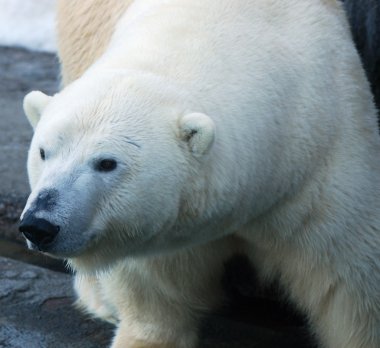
(198, 130)
(34, 104)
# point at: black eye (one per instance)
(106, 165)
(42, 154)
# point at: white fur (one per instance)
(286, 161)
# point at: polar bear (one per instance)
(204, 128)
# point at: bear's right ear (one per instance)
(34, 104)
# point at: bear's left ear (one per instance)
(198, 130)
(34, 104)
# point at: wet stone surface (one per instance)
(37, 310)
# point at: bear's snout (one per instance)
(46, 200)
(40, 232)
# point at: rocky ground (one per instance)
(37, 312)
(36, 300)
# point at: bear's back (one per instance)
(84, 29)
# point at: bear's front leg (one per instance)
(348, 318)
(159, 300)
(90, 298)
(339, 293)
(123, 340)
(172, 326)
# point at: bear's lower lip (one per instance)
(42, 247)
(57, 249)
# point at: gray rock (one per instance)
(20, 72)
(37, 311)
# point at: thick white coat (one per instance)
(239, 126)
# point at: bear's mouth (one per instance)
(43, 245)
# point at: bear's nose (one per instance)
(39, 231)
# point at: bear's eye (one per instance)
(42, 154)
(105, 165)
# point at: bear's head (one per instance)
(111, 166)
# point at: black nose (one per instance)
(39, 231)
